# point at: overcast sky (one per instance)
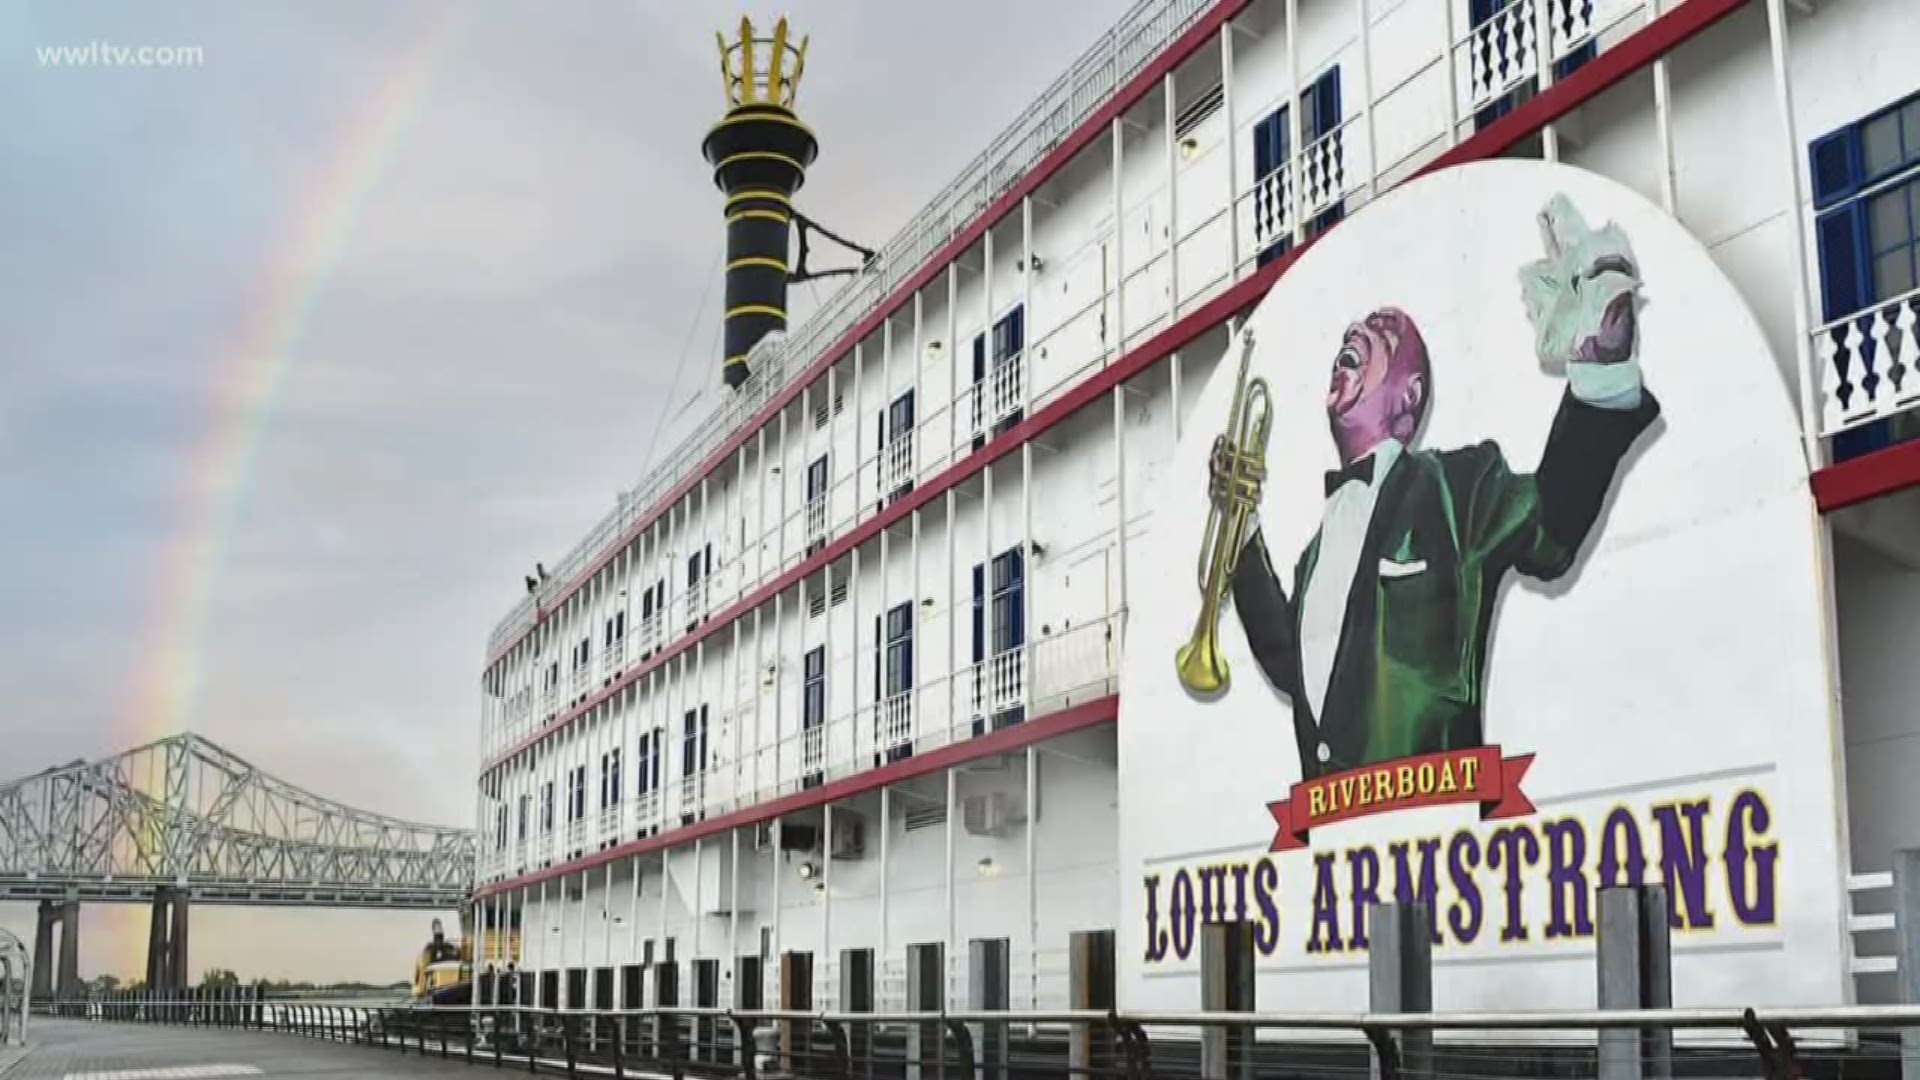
(481, 371)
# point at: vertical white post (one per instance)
(540, 966)
(917, 358)
(1295, 204)
(733, 914)
(1805, 362)
(826, 894)
(953, 814)
(1232, 150)
(913, 631)
(1118, 134)
(989, 654)
(777, 875)
(606, 919)
(786, 482)
(760, 504)
(1448, 49)
(1029, 663)
(697, 914)
(633, 917)
(666, 887)
(735, 720)
(953, 362)
(1169, 120)
(954, 666)
(760, 741)
(1543, 50)
(1033, 879)
(1025, 359)
(1366, 98)
(859, 420)
(886, 827)
(779, 721)
(882, 483)
(1120, 507)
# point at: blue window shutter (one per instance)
(1479, 11)
(1018, 332)
(1326, 101)
(1846, 283)
(1836, 166)
(879, 658)
(979, 357)
(1017, 599)
(979, 613)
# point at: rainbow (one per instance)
(249, 384)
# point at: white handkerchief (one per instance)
(1391, 569)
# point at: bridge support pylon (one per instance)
(167, 940)
(69, 981)
(49, 916)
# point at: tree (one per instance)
(104, 984)
(219, 979)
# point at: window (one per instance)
(693, 742)
(892, 678)
(526, 804)
(613, 785)
(816, 504)
(1866, 189)
(999, 627)
(1500, 47)
(896, 460)
(500, 828)
(813, 713)
(610, 779)
(647, 761)
(1003, 397)
(699, 566)
(616, 628)
(1272, 136)
(546, 807)
(577, 794)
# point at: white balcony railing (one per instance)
(1000, 683)
(582, 679)
(1000, 394)
(613, 659)
(895, 723)
(649, 635)
(896, 464)
(1869, 364)
(816, 523)
(693, 794)
(576, 834)
(1504, 51)
(646, 811)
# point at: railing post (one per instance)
(1090, 985)
(926, 992)
(1400, 980)
(989, 990)
(1906, 932)
(1634, 943)
(1226, 985)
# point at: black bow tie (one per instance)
(1361, 470)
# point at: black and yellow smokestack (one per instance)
(760, 152)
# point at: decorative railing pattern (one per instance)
(1869, 364)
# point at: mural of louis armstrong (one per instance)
(1381, 644)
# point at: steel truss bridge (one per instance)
(183, 817)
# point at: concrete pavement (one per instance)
(79, 1050)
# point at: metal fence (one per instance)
(1860, 1041)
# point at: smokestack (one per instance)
(759, 152)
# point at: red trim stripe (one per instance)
(1138, 87)
(1094, 713)
(1869, 476)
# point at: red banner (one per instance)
(1479, 775)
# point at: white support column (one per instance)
(733, 915)
(1805, 361)
(882, 483)
(1366, 97)
(1026, 305)
(1232, 149)
(777, 874)
(606, 919)
(1029, 663)
(633, 918)
(954, 666)
(1295, 203)
(1169, 120)
(917, 357)
(540, 939)
(886, 827)
(786, 484)
(953, 814)
(853, 655)
(1120, 507)
(1033, 880)
(825, 951)
(666, 888)
(736, 723)
(913, 633)
(759, 533)
(953, 362)
(859, 419)
(699, 897)
(1452, 40)
(987, 657)
(779, 725)
(761, 743)
(1543, 75)
(1118, 135)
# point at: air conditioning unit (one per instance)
(988, 815)
(849, 839)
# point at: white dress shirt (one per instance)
(1343, 533)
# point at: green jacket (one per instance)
(1409, 672)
